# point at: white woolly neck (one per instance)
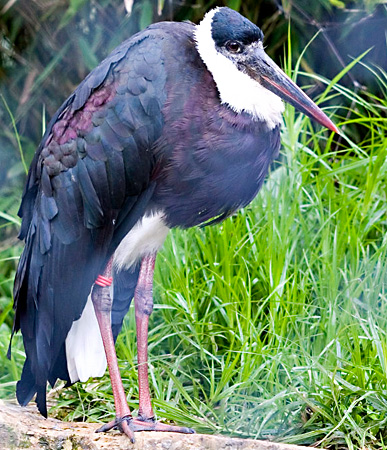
(236, 89)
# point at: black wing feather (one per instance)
(88, 184)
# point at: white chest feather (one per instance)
(236, 88)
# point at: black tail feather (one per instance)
(9, 351)
(26, 388)
(41, 399)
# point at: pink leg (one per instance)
(143, 302)
(143, 306)
(102, 303)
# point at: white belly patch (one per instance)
(146, 237)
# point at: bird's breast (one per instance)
(211, 159)
(217, 160)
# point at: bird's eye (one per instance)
(234, 46)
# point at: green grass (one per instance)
(273, 324)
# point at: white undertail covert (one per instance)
(84, 349)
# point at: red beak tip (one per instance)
(335, 129)
(330, 125)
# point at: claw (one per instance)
(128, 426)
(122, 424)
(113, 424)
(125, 427)
(152, 425)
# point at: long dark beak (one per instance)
(263, 69)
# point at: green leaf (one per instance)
(234, 4)
(146, 14)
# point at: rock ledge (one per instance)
(22, 428)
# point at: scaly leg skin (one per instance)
(102, 303)
(143, 305)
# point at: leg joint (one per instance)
(101, 298)
(143, 301)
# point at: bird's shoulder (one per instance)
(108, 122)
(134, 68)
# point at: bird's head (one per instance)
(247, 79)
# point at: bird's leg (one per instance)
(102, 303)
(143, 303)
(143, 298)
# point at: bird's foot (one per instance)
(128, 425)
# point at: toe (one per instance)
(125, 427)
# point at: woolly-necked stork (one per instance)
(177, 127)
